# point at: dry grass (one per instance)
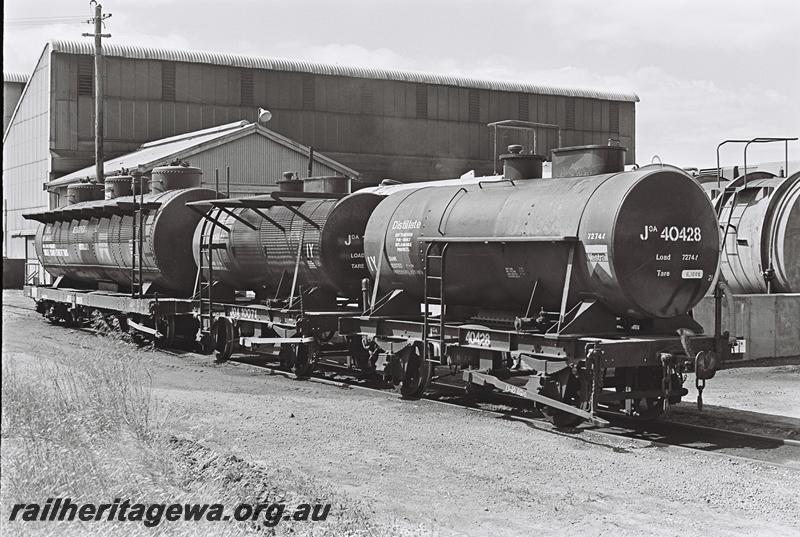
(89, 427)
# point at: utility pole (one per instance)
(98, 86)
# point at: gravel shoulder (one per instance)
(426, 467)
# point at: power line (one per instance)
(42, 21)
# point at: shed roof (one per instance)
(19, 78)
(159, 152)
(278, 64)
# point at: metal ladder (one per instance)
(203, 284)
(434, 293)
(731, 223)
(136, 246)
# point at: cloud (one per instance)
(350, 54)
(705, 71)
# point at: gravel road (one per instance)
(447, 470)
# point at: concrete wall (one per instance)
(768, 323)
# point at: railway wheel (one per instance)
(58, 313)
(417, 374)
(646, 379)
(565, 388)
(299, 358)
(165, 324)
(73, 318)
(224, 339)
(360, 355)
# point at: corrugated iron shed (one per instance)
(257, 156)
(279, 64)
(16, 78)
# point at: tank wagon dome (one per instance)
(164, 178)
(646, 242)
(81, 192)
(118, 186)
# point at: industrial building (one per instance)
(247, 157)
(13, 84)
(380, 123)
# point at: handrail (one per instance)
(446, 207)
(761, 139)
(516, 124)
(286, 203)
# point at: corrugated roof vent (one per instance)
(524, 106)
(246, 86)
(85, 75)
(167, 81)
(474, 105)
(309, 91)
(570, 120)
(367, 100)
(613, 118)
(422, 101)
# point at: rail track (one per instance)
(661, 433)
(784, 452)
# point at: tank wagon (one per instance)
(760, 216)
(573, 292)
(298, 253)
(117, 243)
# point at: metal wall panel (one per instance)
(580, 113)
(154, 87)
(541, 109)
(597, 115)
(433, 102)
(222, 93)
(260, 92)
(483, 100)
(155, 123)
(561, 111)
(113, 86)
(140, 82)
(11, 94)
(125, 120)
(254, 161)
(128, 79)
(208, 95)
(181, 82)
(194, 92)
(194, 117)
(26, 164)
(86, 118)
(168, 119)
(410, 100)
(63, 87)
(140, 120)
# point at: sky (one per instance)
(704, 70)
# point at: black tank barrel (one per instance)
(646, 242)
